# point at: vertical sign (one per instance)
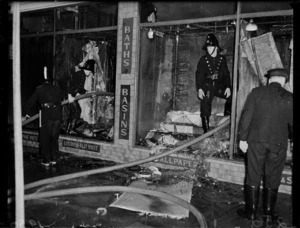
(124, 112)
(126, 45)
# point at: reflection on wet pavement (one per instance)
(217, 201)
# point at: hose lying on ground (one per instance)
(121, 166)
(86, 95)
(181, 202)
(174, 199)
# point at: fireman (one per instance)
(49, 98)
(212, 79)
(265, 122)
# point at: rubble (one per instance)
(159, 140)
(215, 199)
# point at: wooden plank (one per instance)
(102, 29)
(234, 88)
(33, 6)
(54, 45)
(266, 54)
(18, 144)
(219, 18)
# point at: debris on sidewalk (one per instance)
(154, 206)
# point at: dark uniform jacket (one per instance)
(77, 83)
(46, 94)
(208, 66)
(266, 115)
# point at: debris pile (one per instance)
(165, 138)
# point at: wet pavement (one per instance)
(217, 201)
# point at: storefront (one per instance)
(151, 77)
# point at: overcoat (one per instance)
(266, 115)
(46, 93)
(208, 66)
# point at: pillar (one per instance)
(127, 73)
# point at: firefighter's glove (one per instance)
(243, 146)
(227, 93)
(201, 94)
(71, 98)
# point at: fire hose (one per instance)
(181, 202)
(82, 96)
(177, 200)
(129, 164)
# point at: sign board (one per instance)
(181, 160)
(177, 161)
(126, 58)
(30, 137)
(81, 145)
(286, 179)
(124, 112)
(30, 140)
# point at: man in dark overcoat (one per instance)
(49, 98)
(76, 88)
(263, 134)
(212, 79)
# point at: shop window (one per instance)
(93, 15)
(98, 15)
(169, 11)
(167, 97)
(96, 119)
(37, 21)
(84, 16)
(265, 6)
(168, 63)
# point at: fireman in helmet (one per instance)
(49, 98)
(212, 79)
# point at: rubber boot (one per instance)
(69, 126)
(251, 198)
(207, 122)
(204, 126)
(227, 108)
(73, 127)
(270, 196)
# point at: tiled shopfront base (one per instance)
(234, 172)
(220, 169)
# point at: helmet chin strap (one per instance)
(45, 73)
(211, 54)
